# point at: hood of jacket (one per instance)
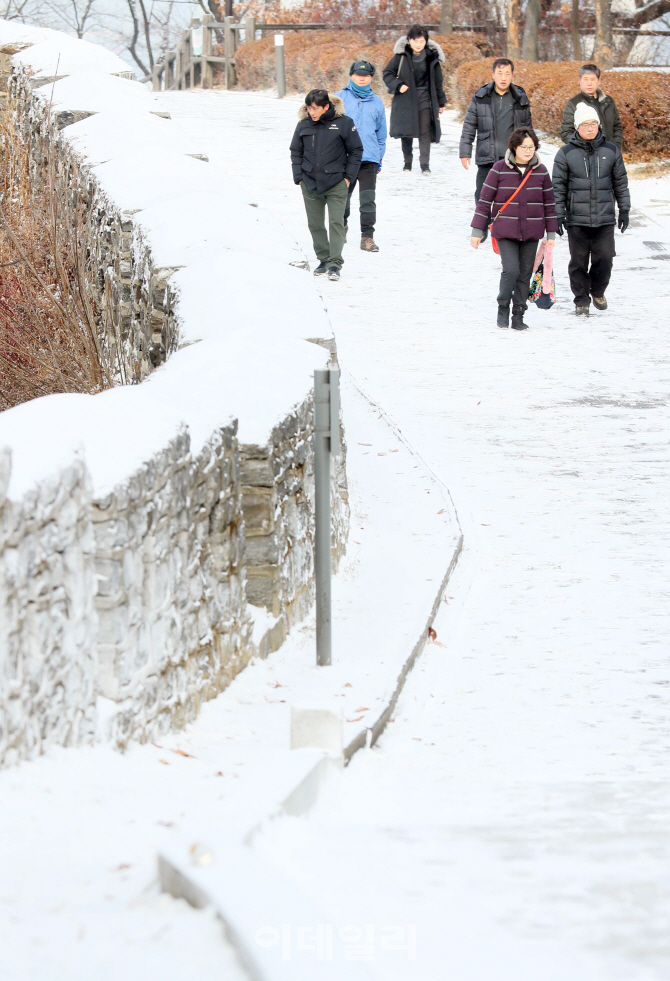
(518, 94)
(336, 103)
(402, 42)
(511, 163)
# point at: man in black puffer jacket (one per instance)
(326, 153)
(589, 176)
(495, 111)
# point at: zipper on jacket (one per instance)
(586, 167)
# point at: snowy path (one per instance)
(517, 810)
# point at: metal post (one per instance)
(281, 66)
(326, 442)
(229, 51)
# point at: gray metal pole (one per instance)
(322, 553)
(281, 66)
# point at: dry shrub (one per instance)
(643, 99)
(323, 59)
(48, 326)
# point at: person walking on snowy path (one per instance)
(495, 111)
(368, 113)
(413, 77)
(593, 95)
(589, 176)
(326, 153)
(518, 226)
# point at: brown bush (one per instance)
(643, 99)
(48, 327)
(323, 59)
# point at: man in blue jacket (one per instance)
(368, 113)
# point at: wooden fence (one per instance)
(193, 63)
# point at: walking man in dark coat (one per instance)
(326, 152)
(496, 110)
(413, 76)
(589, 175)
(592, 95)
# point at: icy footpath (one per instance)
(80, 879)
(515, 813)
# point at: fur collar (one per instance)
(335, 102)
(402, 42)
(534, 160)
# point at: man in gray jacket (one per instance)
(496, 110)
(589, 175)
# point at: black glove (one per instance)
(561, 226)
(623, 220)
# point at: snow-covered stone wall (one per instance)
(156, 536)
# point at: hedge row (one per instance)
(323, 59)
(642, 97)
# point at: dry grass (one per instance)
(49, 337)
(323, 59)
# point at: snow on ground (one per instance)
(80, 829)
(516, 811)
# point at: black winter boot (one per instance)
(425, 169)
(517, 318)
(321, 269)
(408, 164)
(503, 315)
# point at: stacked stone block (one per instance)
(48, 667)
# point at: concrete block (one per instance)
(317, 726)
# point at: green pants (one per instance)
(328, 246)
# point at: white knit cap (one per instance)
(585, 114)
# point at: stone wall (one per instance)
(132, 299)
(120, 614)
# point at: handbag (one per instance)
(543, 285)
(494, 241)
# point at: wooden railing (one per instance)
(193, 63)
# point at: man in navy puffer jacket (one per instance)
(368, 113)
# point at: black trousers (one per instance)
(482, 174)
(367, 184)
(517, 268)
(596, 244)
(425, 117)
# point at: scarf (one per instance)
(362, 91)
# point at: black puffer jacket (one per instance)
(605, 106)
(480, 122)
(589, 176)
(325, 152)
(405, 105)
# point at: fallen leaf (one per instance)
(180, 752)
(479, 403)
(165, 762)
(156, 745)
(363, 709)
(365, 444)
(355, 542)
(275, 684)
(219, 774)
(122, 866)
(347, 685)
(355, 720)
(394, 451)
(438, 643)
(432, 633)
(442, 511)
(417, 738)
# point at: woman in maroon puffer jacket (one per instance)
(523, 222)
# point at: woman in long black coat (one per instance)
(414, 78)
